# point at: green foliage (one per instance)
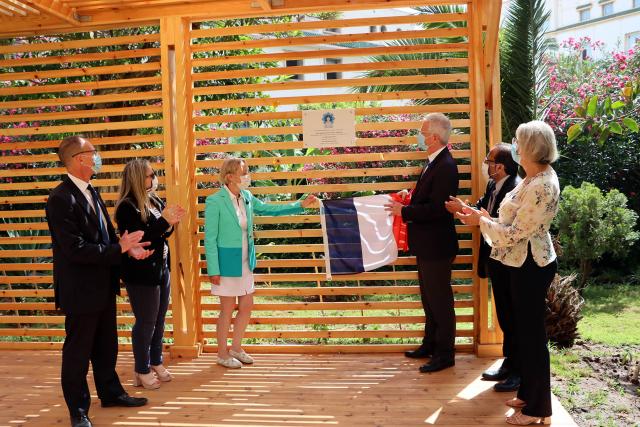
(522, 51)
(599, 117)
(418, 56)
(591, 224)
(606, 309)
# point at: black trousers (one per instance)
(437, 302)
(149, 305)
(500, 284)
(90, 337)
(529, 285)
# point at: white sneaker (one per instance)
(229, 362)
(242, 356)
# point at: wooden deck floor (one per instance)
(279, 390)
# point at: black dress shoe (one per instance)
(496, 375)
(125, 400)
(510, 384)
(81, 421)
(437, 365)
(421, 352)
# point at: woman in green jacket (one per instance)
(231, 255)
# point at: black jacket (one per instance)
(148, 271)
(485, 249)
(86, 274)
(430, 227)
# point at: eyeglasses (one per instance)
(85, 151)
(487, 161)
(514, 141)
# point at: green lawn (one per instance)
(611, 315)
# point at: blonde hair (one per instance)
(230, 165)
(536, 138)
(133, 186)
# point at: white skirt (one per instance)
(237, 286)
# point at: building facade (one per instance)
(616, 23)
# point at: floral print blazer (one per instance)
(524, 217)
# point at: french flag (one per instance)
(358, 234)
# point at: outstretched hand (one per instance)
(309, 201)
(471, 216)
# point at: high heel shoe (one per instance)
(520, 419)
(516, 403)
(148, 381)
(163, 374)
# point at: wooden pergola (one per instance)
(151, 95)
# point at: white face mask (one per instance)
(154, 185)
(245, 182)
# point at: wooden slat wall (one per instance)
(351, 310)
(105, 85)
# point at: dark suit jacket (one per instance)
(485, 249)
(147, 271)
(86, 274)
(430, 228)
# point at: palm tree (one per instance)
(419, 56)
(522, 56)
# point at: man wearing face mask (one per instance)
(433, 240)
(86, 278)
(501, 172)
(148, 280)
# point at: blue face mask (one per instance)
(421, 144)
(514, 151)
(97, 162)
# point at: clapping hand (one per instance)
(471, 216)
(130, 243)
(309, 201)
(173, 214)
(454, 205)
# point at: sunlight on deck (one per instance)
(293, 390)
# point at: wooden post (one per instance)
(180, 187)
(478, 150)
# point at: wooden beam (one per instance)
(22, 6)
(8, 8)
(55, 8)
(492, 11)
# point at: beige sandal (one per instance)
(242, 356)
(520, 419)
(148, 381)
(230, 362)
(163, 374)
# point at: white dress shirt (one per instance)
(83, 186)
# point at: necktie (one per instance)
(492, 200)
(425, 168)
(98, 210)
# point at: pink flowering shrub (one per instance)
(574, 77)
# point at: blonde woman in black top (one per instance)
(148, 280)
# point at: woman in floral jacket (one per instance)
(520, 239)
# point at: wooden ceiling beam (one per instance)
(56, 9)
(11, 9)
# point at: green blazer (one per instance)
(223, 235)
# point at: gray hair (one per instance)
(536, 138)
(229, 166)
(439, 125)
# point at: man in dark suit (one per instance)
(86, 279)
(501, 171)
(433, 240)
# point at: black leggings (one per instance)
(529, 285)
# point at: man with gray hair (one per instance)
(433, 240)
(86, 280)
